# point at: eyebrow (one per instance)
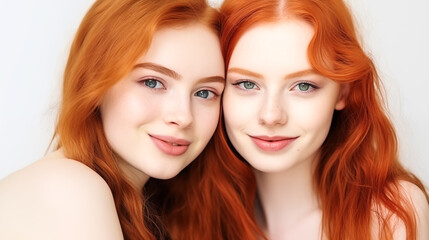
(300, 73)
(245, 72)
(158, 68)
(173, 74)
(257, 75)
(212, 79)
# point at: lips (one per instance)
(272, 144)
(170, 145)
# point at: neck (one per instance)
(286, 198)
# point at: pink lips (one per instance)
(170, 145)
(272, 144)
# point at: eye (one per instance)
(246, 85)
(152, 83)
(206, 94)
(305, 87)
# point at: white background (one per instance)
(35, 37)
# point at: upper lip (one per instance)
(272, 138)
(172, 140)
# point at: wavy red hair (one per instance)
(359, 172)
(205, 201)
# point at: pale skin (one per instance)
(277, 113)
(60, 198)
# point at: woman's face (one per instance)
(277, 109)
(161, 115)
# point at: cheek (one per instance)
(122, 111)
(145, 108)
(206, 119)
(237, 110)
(314, 116)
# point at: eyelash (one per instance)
(240, 85)
(146, 80)
(311, 87)
(215, 94)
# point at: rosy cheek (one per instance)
(205, 120)
(323, 116)
(145, 108)
(238, 110)
(232, 119)
(211, 119)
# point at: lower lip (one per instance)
(168, 148)
(272, 146)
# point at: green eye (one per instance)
(304, 87)
(248, 85)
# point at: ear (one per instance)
(342, 96)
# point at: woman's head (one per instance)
(161, 115)
(120, 49)
(277, 108)
(330, 50)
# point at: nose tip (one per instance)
(272, 113)
(182, 120)
(179, 114)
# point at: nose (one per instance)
(272, 112)
(179, 111)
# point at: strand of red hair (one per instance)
(219, 206)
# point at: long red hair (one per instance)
(205, 201)
(359, 172)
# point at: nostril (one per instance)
(272, 114)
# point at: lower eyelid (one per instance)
(311, 89)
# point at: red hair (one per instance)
(359, 172)
(205, 201)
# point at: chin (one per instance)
(272, 167)
(165, 174)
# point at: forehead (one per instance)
(280, 44)
(180, 48)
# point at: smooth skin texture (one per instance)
(59, 198)
(284, 99)
(277, 113)
(174, 92)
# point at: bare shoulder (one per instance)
(57, 198)
(421, 208)
(412, 195)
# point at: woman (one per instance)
(303, 106)
(141, 99)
